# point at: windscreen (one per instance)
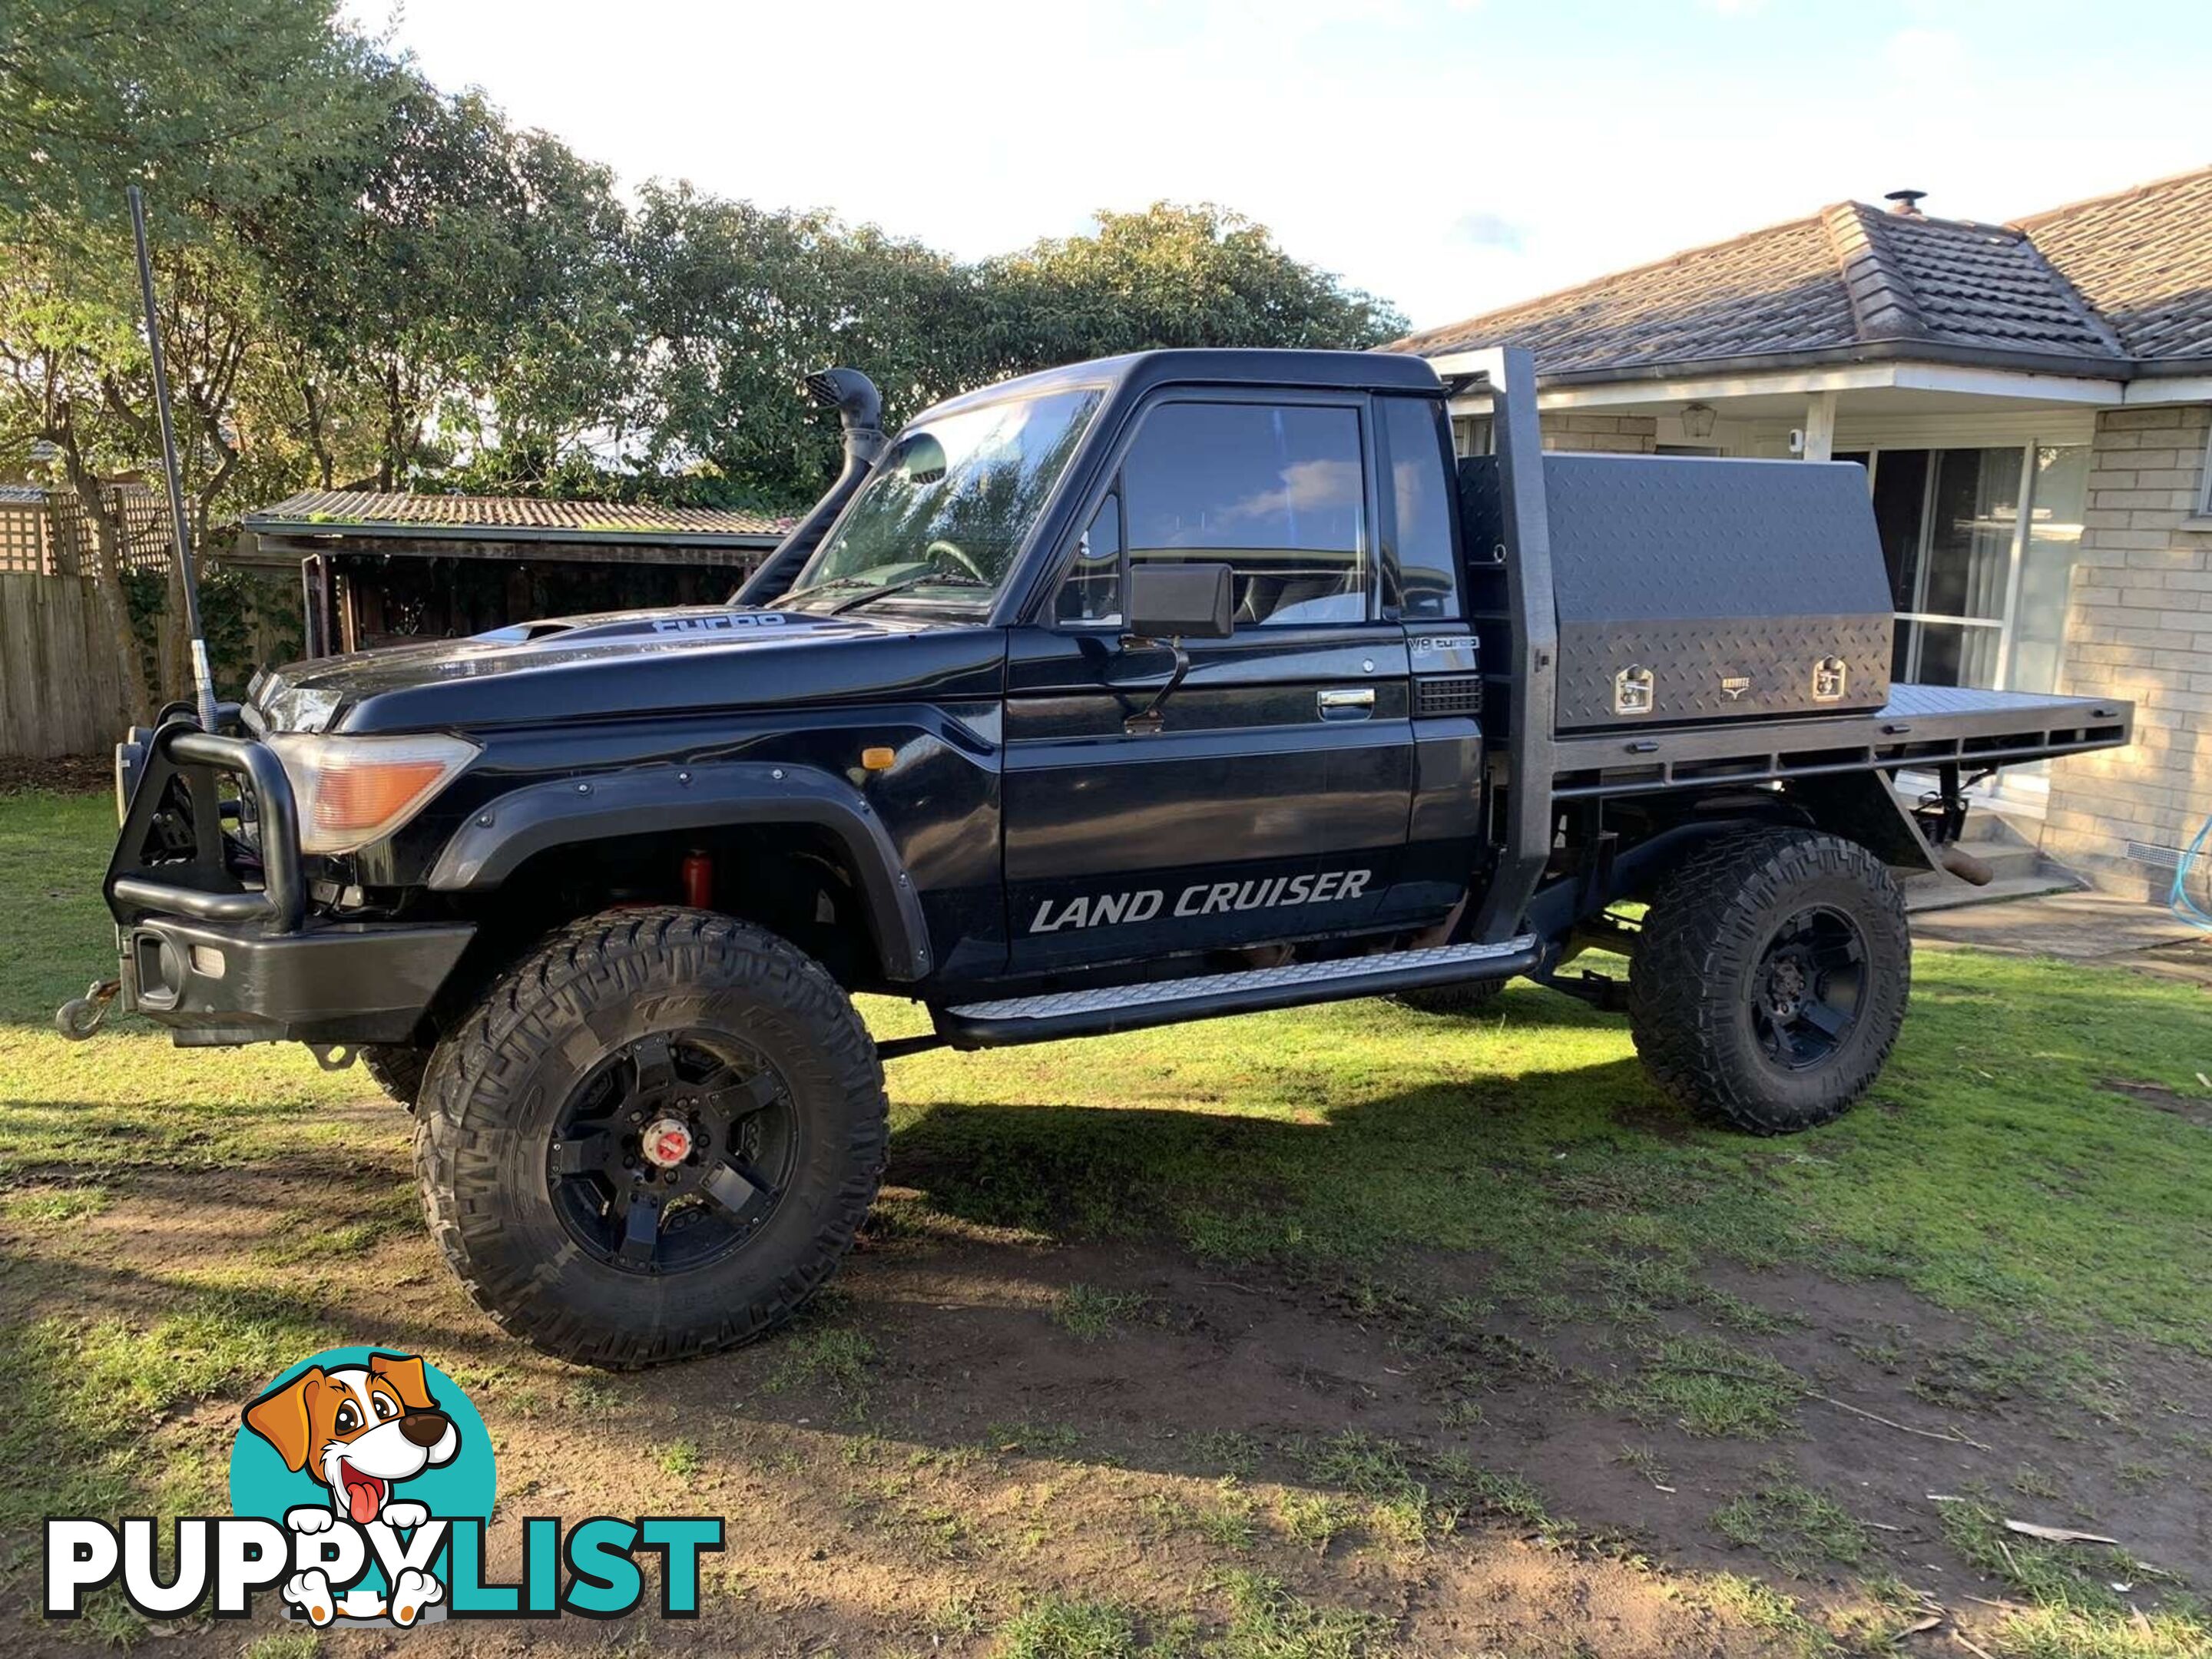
(946, 510)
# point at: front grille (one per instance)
(1448, 694)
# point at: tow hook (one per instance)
(80, 1017)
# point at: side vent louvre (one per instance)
(1448, 694)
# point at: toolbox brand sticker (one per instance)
(1199, 899)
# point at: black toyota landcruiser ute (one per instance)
(1176, 685)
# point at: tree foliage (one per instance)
(208, 106)
(369, 282)
(1172, 275)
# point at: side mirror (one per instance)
(1180, 601)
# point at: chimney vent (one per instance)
(1908, 203)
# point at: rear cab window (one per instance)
(1421, 500)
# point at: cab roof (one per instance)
(1139, 371)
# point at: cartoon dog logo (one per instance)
(360, 1429)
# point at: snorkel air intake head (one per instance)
(859, 408)
(850, 392)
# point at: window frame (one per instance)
(2204, 482)
(1044, 612)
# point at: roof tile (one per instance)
(1777, 289)
(2143, 258)
(2124, 276)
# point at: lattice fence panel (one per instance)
(23, 537)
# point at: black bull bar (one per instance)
(221, 961)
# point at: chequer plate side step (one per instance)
(1056, 1014)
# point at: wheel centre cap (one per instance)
(1786, 985)
(666, 1142)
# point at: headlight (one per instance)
(353, 791)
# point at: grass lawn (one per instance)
(1351, 1330)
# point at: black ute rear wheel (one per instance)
(654, 1137)
(1771, 978)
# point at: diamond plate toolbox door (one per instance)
(1696, 590)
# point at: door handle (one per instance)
(1352, 703)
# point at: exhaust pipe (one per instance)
(1964, 864)
(859, 408)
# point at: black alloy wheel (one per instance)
(672, 1152)
(1810, 982)
(654, 1135)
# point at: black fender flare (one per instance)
(501, 836)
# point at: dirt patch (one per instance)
(2196, 1110)
(59, 774)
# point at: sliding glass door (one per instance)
(2047, 555)
(1952, 602)
(1980, 544)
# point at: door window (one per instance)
(1276, 492)
(1972, 520)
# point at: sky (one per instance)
(1449, 155)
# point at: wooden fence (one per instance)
(61, 688)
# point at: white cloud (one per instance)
(1490, 230)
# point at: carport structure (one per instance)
(379, 569)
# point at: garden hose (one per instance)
(2184, 907)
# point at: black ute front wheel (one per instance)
(397, 1069)
(1771, 978)
(652, 1137)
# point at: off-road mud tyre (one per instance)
(1473, 996)
(488, 1131)
(397, 1069)
(1727, 974)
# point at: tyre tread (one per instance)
(1702, 917)
(513, 1021)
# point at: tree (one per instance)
(1170, 276)
(208, 108)
(96, 94)
(368, 281)
(75, 376)
(734, 305)
(462, 278)
(53, 343)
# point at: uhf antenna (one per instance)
(203, 676)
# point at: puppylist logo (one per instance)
(361, 1483)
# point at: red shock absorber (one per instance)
(699, 881)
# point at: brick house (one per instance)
(2033, 402)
